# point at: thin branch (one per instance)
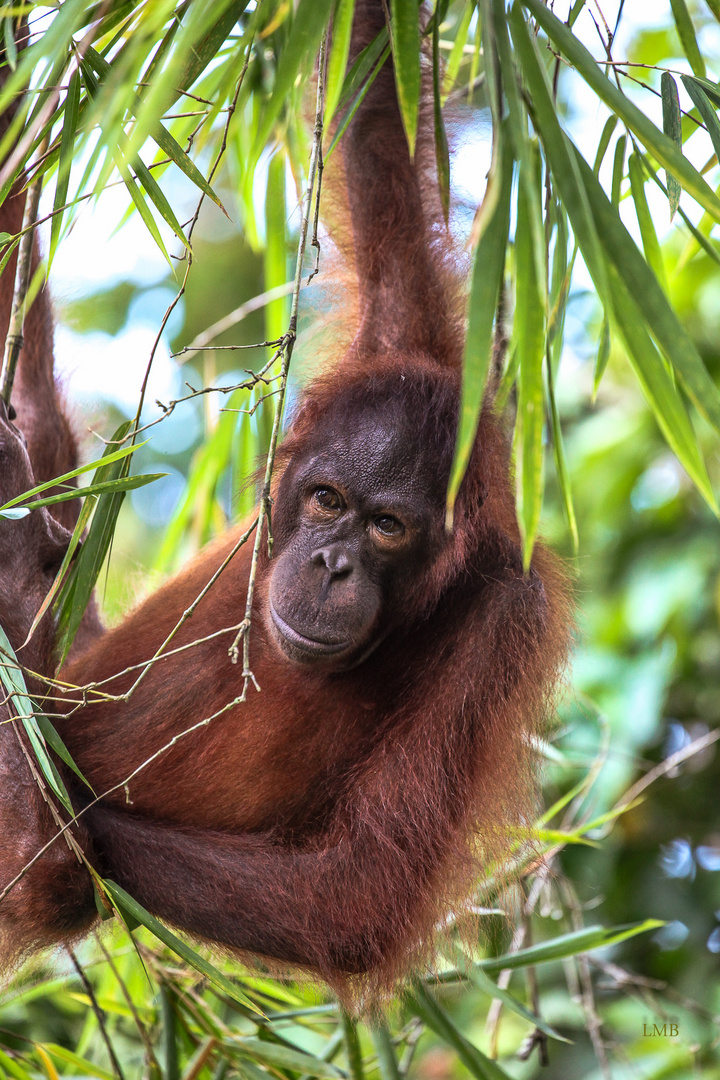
(14, 339)
(287, 350)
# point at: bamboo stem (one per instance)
(14, 339)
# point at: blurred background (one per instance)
(645, 676)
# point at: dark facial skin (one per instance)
(356, 519)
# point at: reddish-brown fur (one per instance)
(328, 821)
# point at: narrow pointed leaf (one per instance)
(651, 244)
(485, 984)
(112, 455)
(661, 147)
(606, 136)
(127, 904)
(126, 483)
(529, 333)
(13, 680)
(603, 354)
(485, 285)
(430, 1012)
(442, 153)
(618, 169)
(643, 289)
(686, 33)
(706, 107)
(561, 468)
(456, 53)
(385, 1051)
(673, 129)
(309, 21)
(339, 52)
(405, 40)
(67, 145)
(559, 948)
(356, 102)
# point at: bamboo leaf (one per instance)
(339, 52)
(106, 459)
(686, 33)
(13, 680)
(485, 286)
(352, 1047)
(76, 590)
(606, 136)
(309, 21)
(127, 483)
(517, 126)
(644, 291)
(430, 1012)
(706, 108)
(456, 53)
(661, 147)
(364, 63)
(561, 469)
(603, 354)
(126, 903)
(485, 984)
(651, 244)
(67, 145)
(385, 1051)
(442, 153)
(529, 333)
(559, 948)
(284, 1056)
(618, 168)
(357, 101)
(405, 41)
(673, 129)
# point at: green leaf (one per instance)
(456, 53)
(618, 169)
(364, 63)
(339, 52)
(13, 680)
(603, 354)
(673, 129)
(488, 267)
(385, 1051)
(309, 22)
(352, 1047)
(76, 590)
(529, 334)
(427, 1008)
(706, 109)
(651, 244)
(127, 483)
(559, 948)
(126, 903)
(644, 291)
(442, 153)
(606, 136)
(561, 468)
(67, 146)
(107, 459)
(357, 101)
(485, 984)
(283, 1056)
(661, 147)
(517, 126)
(686, 33)
(405, 41)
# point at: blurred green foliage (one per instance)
(646, 670)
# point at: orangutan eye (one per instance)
(328, 499)
(388, 525)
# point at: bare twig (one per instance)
(14, 339)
